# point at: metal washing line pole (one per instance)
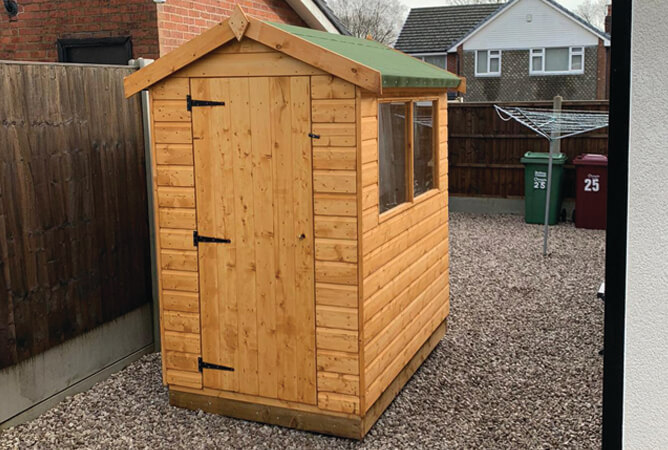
(553, 125)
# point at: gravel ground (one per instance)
(518, 368)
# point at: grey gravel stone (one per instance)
(518, 368)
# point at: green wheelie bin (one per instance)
(535, 186)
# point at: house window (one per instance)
(556, 61)
(114, 50)
(436, 60)
(406, 140)
(488, 63)
(424, 164)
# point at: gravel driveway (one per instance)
(518, 368)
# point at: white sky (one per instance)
(570, 4)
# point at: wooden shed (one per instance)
(300, 185)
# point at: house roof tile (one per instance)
(435, 29)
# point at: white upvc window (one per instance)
(488, 63)
(556, 61)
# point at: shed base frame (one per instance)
(348, 426)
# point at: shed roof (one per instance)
(365, 63)
(396, 68)
(436, 29)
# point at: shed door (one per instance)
(254, 187)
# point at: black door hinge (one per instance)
(314, 136)
(197, 238)
(204, 365)
(190, 103)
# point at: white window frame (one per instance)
(497, 55)
(540, 52)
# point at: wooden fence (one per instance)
(485, 151)
(74, 241)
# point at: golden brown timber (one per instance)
(296, 286)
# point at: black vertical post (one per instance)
(616, 239)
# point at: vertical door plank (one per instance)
(215, 217)
(242, 152)
(284, 237)
(263, 206)
(304, 250)
(226, 213)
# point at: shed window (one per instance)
(392, 180)
(556, 61)
(423, 153)
(487, 63)
(403, 163)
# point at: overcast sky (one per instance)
(570, 4)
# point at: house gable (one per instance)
(525, 24)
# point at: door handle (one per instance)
(302, 237)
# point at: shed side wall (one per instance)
(405, 263)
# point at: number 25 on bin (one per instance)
(539, 183)
(591, 185)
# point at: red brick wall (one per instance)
(32, 35)
(182, 20)
(451, 63)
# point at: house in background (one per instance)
(523, 50)
(103, 32)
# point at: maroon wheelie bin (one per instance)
(591, 175)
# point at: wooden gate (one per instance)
(254, 187)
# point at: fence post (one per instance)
(146, 121)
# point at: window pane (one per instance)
(537, 63)
(494, 65)
(482, 61)
(391, 154)
(556, 59)
(437, 60)
(423, 152)
(576, 63)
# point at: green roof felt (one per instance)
(397, 69)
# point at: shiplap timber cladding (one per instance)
(311, 263)
(404, 264)
(333, 102)
(175, 218)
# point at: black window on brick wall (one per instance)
(113, 50)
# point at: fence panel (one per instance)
(74, 242)
(485, 151)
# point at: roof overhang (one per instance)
(560, 9)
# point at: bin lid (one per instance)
(591, 159)
(543, 158)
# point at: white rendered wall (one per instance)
(548, 28)
(646, 353)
